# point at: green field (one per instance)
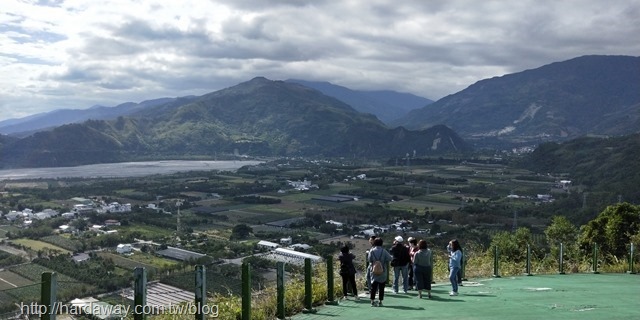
(10, 280)
(36, 245)
(5, 229)
(152, 260)
(125, 262)
(146, 231)
(67, 286)
(421, 205)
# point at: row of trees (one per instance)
(612, 230)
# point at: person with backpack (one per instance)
(378, 259)
(400, 263)
(347, 272)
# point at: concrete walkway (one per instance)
(571, 296)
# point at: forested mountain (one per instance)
(25, 126)
(257, 118)
(387, 105)
(605, 165)
(557, 102)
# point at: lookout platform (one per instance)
(569, 296)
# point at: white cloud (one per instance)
(77, 53)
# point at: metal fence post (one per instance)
(308, 290)
(201, 291)
(595, 258)
(561, 264)
(528, 260)
(496, 263)
(463, 267)
(330, 283)
(280, 312)
(631, 260)
(246, 291)
(139, 293)
(48, 287)
(431, 270)
(367, 280)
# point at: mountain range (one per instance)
(259, 117)
(584, 96)
(387, 105)
(588, 95)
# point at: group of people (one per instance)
(413, 261)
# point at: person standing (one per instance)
(462, 262)
(367, 283)
(413, 248)
(378, 259)
(422, 268)
(455, 257)
(347, 272)
(400, 264)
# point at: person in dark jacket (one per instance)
(400, 264)
(347, 272)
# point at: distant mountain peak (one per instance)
(556, 102)
(386, 105)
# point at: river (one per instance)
(123, 169)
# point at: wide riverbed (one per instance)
(123, 169)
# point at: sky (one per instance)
(74, 54)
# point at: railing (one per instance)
(49, 285)
(561, 261)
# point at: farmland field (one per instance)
(9, 280)
(420, 205)
(62, 242)
(152, 260)
(36, 245)
(125, 262)
(67, 286)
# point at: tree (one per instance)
(512, 246)
(612, 230)
(240, 231)
(561, 230)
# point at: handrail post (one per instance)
(463, 266)
(561, 264)
(280, 290)
(431, 269)
(631, 260)
(48, 289)
(529, 260)
(308, 289)
(246, 291)
(201, 291)
(139, 293)
(595, 258)
(367, 280)
(330, 282)
(496, 263)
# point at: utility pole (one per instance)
(178, 226)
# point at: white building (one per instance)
(124, 248)
(286, 241)
(267, 245)
(297, 256)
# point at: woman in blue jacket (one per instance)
(455, 257)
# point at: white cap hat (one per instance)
(399, 239)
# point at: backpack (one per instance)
(376, 266)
